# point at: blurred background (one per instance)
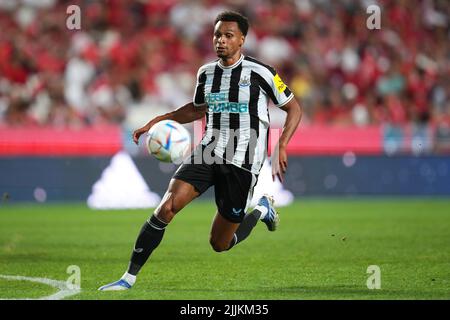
(376, 102)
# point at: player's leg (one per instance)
(178, 195)
(225, 234)
(222, 233)
(188, 183)
(231, 225)
(233, 187)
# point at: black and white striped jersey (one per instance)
(237, 118)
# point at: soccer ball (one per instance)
(168, 141)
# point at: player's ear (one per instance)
(242, 41)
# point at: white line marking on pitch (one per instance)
(64, 290)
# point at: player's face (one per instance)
(228, 39)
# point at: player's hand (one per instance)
(137, 133)
(279, 163)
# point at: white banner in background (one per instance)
(266, 185)
(122, 186)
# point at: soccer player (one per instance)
(233, 93)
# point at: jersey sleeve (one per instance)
(276, 89)
(199, 94)
(282, 93)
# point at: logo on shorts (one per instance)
(236, 212)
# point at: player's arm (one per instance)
(184, 114)
(293, 117)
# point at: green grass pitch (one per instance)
(321, 250)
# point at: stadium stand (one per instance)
(134, 59)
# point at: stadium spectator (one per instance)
(130, 53)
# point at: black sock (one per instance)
(246, 227)
(149, 238)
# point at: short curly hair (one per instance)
(241, 20)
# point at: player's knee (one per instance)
(165, 212)
(168, 209)
(177, 205)
(218, 246)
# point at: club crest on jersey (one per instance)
(244, 82)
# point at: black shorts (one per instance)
(233, 186)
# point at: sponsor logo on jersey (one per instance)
(232, 107)
(218, 102)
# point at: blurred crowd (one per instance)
(135, 58)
